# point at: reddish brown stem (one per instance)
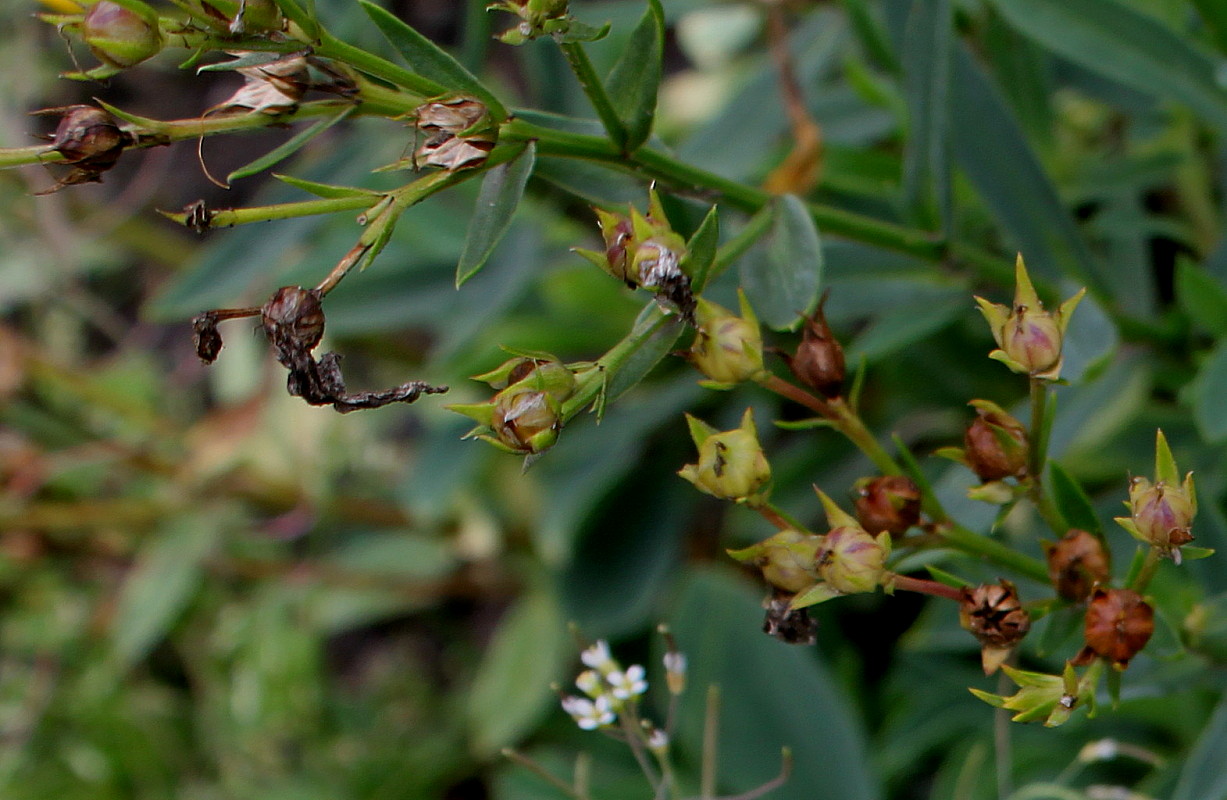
(799, 396)
(927, 587)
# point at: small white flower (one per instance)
(627, 684)
(588, 714)
(590, 684)
(597, 656)
(658, 740)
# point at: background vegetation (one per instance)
(211, 590)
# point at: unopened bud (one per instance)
(996, 443)
(727, 349)
(788, 559)
(731, 464)
(1119, 623)
(119, 36)
(851, 561)
(1076, 563)
(996, 617)
(1030, 339)
(819, 360)
(543, 373)
(526, 420)
(888, 503)
(1161, 513)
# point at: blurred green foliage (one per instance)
(210, 590)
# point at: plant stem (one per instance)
(781, 519)
(540, 772)
(581, 65)
(1037, 459)
(1143, 576)
(961, 538)
(845, 420)
(923, 586)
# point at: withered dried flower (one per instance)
(293, 320)
(887, 503)
(89, 139)
(789, 625)
(459, 133)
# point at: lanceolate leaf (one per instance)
(1202, 296)
(701, 251)
(1072, 500)
(635, 78)
(1109, 37)
(927, 56)
(1208, 398)
(288, 149)
(167, 573)
(781, 275)
(328, 191)
(431, 61)
(501, 190)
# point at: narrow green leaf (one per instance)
(946, 578)
(717, 622)
(501, 190)
(253, 59)
(1135, 49)
(328, 191)
(289, 148)
(927, 50)
(1203, 776)
(782, 273)
(168, 570)
(511, 691)
(431, 61)
(1207, 396)
(635, 78)
(1072, 500)
(1202, 296)
(701, 251)
(650, 340)
(992, 150)
(871, 34)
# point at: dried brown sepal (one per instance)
(789, 625)
(457, 133)
(1076, 563)
(205, 337)
(993, 614)
(1119, 623)
(819, 360)
(198, 216)
(888, 503)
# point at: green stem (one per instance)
(1037, 457)
(581, 65)
(778, 517)
(960, 538)
(735, 247)
(228, 218)
(331, 47)
(1143, 575)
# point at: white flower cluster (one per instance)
(608, 688)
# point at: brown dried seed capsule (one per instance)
(293, 320)
(1119, 623)
(1076, 563)
(819, 360)
(994, 614)
(888, 503)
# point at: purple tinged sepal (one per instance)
(1161, 513)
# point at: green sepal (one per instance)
(946, 578)
(1165, 463)
(580, 32)
(836, 516)
(481, 412)
(818, 593)
(699, 430)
